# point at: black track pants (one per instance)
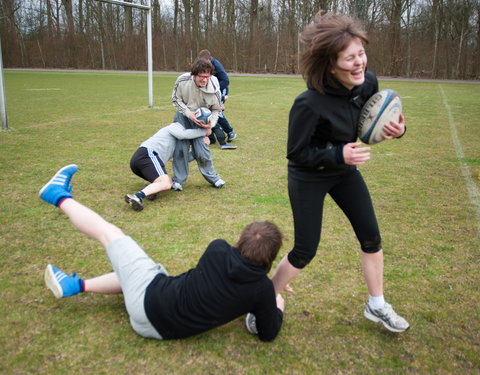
(307, 197)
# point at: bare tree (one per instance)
(435, 38)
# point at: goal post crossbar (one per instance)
(124, 3)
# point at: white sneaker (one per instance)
(219, 183)
(389, 318)
(251, 324)
(176, 186)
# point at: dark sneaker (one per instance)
(61, 284)
(219, 183)
(389, 318)
(251, 324)
(58, 188)
(134, 201)
(228, 147)
(231, 136)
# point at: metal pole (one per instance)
(148, 8)
(149, 55)
(3, 103)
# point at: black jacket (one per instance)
(321, 124)
(222, 287)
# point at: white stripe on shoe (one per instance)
(52, 282)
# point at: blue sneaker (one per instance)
(58, 188)
(60, 283)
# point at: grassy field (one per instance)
(428, 216)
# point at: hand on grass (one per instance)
(280, 302)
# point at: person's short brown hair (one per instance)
(324, 39)
(260, 242)
(201, 66)
(205, 54)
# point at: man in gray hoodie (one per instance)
(191, 91)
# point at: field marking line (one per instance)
(41, 124)
(472, 189)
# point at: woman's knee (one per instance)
(300, 259)
(372, 245)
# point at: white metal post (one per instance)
(148, 8)
(149, 55)
(3, 103)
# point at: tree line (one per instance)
(409, 38)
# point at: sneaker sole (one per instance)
(134, 204)
(376, 319)
(250, 324)
(55, 176)
(52, 282)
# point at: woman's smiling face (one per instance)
(351, 65)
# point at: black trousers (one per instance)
(307, 196)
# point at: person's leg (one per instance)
(146, 164)
(58, 193)
(63, 285)
(306, 200)
(225, 125)
(89, 222)
(217, 130)
(134, 270)
(221, 138)
(353, 198)
(104, 284)
(283, 274)
(162, 183)
(181, 155)
(204, 160)
(222, 120)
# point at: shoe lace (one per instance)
(391, 314)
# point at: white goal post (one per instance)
(148, 8)
(3, 104)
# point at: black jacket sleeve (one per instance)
(268, 316)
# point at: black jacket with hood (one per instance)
(223, 286)
(321, 124)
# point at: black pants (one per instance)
(307, 197)
(217, 131)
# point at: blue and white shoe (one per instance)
(61, 284)
(58, 188)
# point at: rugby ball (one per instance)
(203, 115)
(378, 111)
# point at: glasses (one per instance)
(204, 76)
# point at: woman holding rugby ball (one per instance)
(323, 154)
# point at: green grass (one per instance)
(428, 222)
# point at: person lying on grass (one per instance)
(228, 281)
